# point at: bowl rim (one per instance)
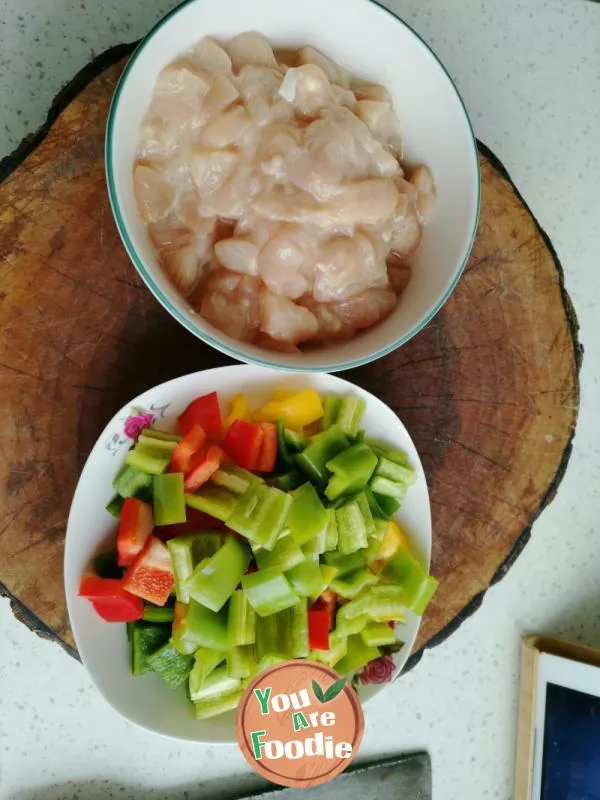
(242, 372)
(207, 337)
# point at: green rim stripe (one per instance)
(156, 291)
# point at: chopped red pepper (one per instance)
(268, 450)
(203, 411)
(151, 574)
(196, 521)
(135, 525)
(191, 443)
(202, 467)
(110, 600)
(243, 442)
(318, 628)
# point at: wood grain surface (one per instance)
(489, 390)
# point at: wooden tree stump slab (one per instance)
(489, 390)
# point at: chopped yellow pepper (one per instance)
(296, 411)
(394, 539)
(283, 394)
(239, 410)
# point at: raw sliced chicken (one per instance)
(366, 308)
(250, 48)
(344, 97)
(345, 267)
(399, 274)
(234, 196)
(364, 90)
(284, 262)
(382, 162)
(222, 93)
(330, 325)
(307, 88)
(153, 193)
(210, 58)
(238, 254)
(226, 129)
(422, 180)
(283, 320)
(279, 147)
(368, 202)
(405, 229)
(266, 342)
(178, 93)
(231, 303)
(259, 86)
(334, 73)
(381, 120)
(211, 169)
(176, 246)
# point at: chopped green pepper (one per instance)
(292, 625)
(200, 627)
(285, 459)
(306, 578)
(212, 707)
(235, 479)
(331, 407)
(352, 583)
(294, 440)
(338, 647)
(186, 552)
(159, 614)
(417, 587)
(351, 470)
(349, 626)
(172, 666)
(268, 641)
(316, 545)
(350, 413)
(106, 565)
(241, 626)
(213, 581)
(387, 488)
(149, 458)
(365, 510)
(377, 634)
(322, 449)
(154, 433)
(205, 662)
(307, 515)
(146, 640)
(156, 442)
(260, 514)
(241, 661)
(289, 480)
(352, 533)
(214, 500)
(216, 684)
(357, 656)
(285, 554)
(382, 506)
(129, 481)
(398, 456)
(399, 473)
(382, 603)
(268, 591)
(169, 500)
(331, 534)
(345, 563)
(114, 505)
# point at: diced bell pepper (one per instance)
(135, 526)
(150, 576)
(203, 411)
(269, 591)
(169, 500)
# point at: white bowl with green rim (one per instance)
(373, 43)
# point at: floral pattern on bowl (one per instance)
(132, 425)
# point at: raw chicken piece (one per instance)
(266, 342)
(178, 94)
(307, 88)
(381, 121)
(365, 309)
(345, 267)
(210, 58)
(364, 90)
(399, 274)
(382, 162)
(330, 325)
(176, 246)
(368, 202)
(250, 48)
(406, 230)
(234, 196)
(422, 180)
(258, 87)
(283, 320)
(279, 147)
(153, 194)
(284, 262)
(159, 138)
(255, 228)
(210, 169)
(334, 73)
(222, 93)
(329, 156)
(226, 129)
(231, 303)
(238, 254)
(345, 97)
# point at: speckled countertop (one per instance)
(529, 73)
